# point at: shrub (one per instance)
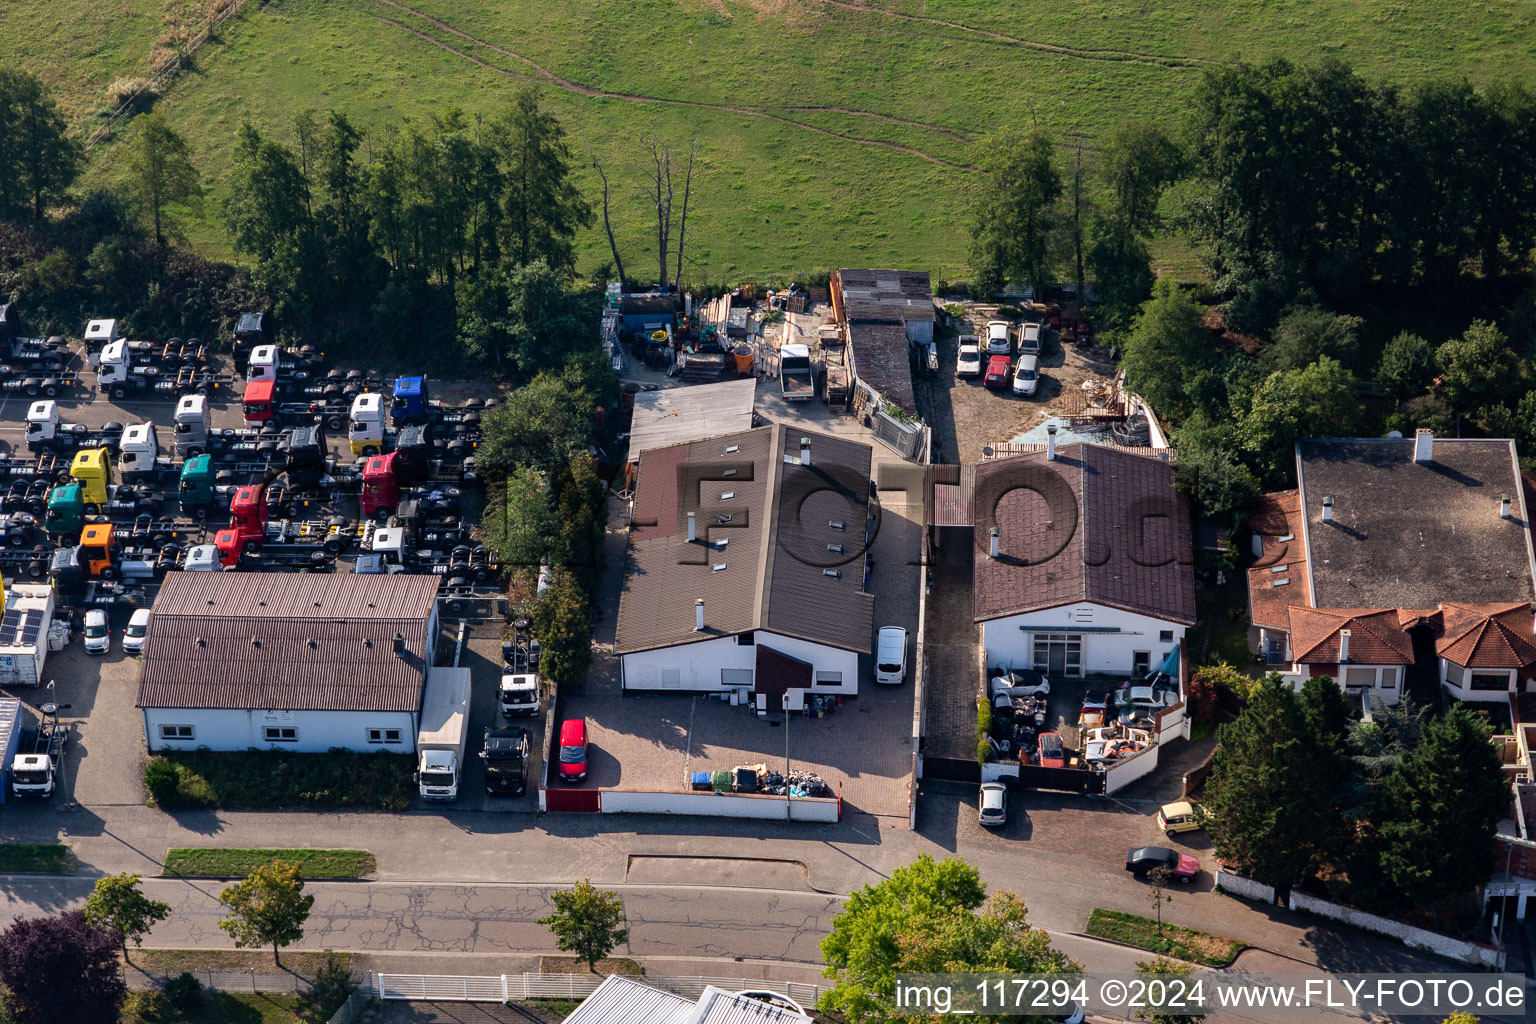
(163, 782)
(329, 988)
(184, 992)
(984, 718)
(146, 1007)
(127, 87)
(1224, 676)
(955, 310)
(983, 750)
(1200, 697)
(773, 316)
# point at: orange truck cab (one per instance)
(98, 550)
(260, 401)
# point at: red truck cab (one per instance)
(381, 488)
(259, 401)
(247, 527)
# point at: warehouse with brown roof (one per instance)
(302, 662)
(746, 567)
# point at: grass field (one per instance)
(1183, 943)
(830, 132)
(222, 862)
(52, 858)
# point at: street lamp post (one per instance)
(789, 814)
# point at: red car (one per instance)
(573, 750)
(1051, 754)
(1143, 860)
(999, 372)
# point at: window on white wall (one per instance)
(1490, 681)
(175, 732)
(730, 677)
(1360, 677)
(1165, 636)
(383, 735)
(672, 677)
(280, 734)
(1389, 678)
(1141, 663)
(829, 679)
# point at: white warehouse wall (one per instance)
(698, 665)
(318, 731)
(1110, 653)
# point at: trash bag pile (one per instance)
(800, 784)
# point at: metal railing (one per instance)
(351, 1008)
(503, 987)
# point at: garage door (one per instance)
(589, 800)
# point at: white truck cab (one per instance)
(519, 694)
(262, 365)
(112, 366)
(389, 541)
(137, 451)
(192, 423)
(202, 558)
(100, 331)
(42, 420)
(365, 429)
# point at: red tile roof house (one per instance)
(1397, 553)
(745, 568)
(1089, 567)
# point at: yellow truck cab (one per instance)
(92, 470)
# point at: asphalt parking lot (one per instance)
(652, 741)
(482, 656)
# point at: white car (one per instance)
(998, 342)
(98, 640)
(969, 363)
(1029, 339)
(138, 629)
(1026, 376)
(891, 655)
(1019, 683)
(993, 809)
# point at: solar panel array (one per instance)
(20, 627)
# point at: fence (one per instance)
(504, 987)
(721, 805)
(351, 1008)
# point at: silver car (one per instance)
(994, 804)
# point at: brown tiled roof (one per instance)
(1278, 578)
(888, 295)
(1488, 635)
(880, 360)
(287, 642)
(1376, 636)
(777, 528)
(1097, 524)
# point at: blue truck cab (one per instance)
(409, 402)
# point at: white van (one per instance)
(891, 655)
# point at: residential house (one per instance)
(302, 662)
(1083, 560)
(1397, 561)
(745, 569)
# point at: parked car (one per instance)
(1181, 816)
(573, 750)
(998, 342)
(1020, 682)
(1146, 858)
(998, 372)
(891, 655)
(98, 639)
(1110, 743)
(1095, 710)
(138, 629)
(1029, 339)
(1139, 705)
(1026, 375)
(969, 363)
(994, 804)
(1051, 753)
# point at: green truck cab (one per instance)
(66, 509)
(196, 489)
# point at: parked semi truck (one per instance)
(444, 731)
(35, 771)
(10, 741)
(518, 693)
(24, 632)
(45, 430)
(506, 761)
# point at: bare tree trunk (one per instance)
(682, 225)
(662, 156)
(613, 247)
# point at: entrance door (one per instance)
(1058, 660)
(1059, 654)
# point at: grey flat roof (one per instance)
(1411, 535)
(690, 413)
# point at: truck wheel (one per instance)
(50, 390)
(456, 607)
(35, 506)
(381, 516)
(369, 450)
(334, 545)
(109, 572)
(202, 389)
(16, 540)
(92, 509)
(29, 389)
(318, 558)
(482, 574)
(194, 452)
(36, 570)
(334, 423)
(62, 476)
(250, 547)
(119, 392)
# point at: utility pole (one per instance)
(789, 814)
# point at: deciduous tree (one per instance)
(1169, 358)
(1479, 368)
(118, 902)
(562, 619)
(269, 906)
(1014, 211)
(1307, 333)
(61, 970)
(587, 921)
(1317, 401)
(1407, 365)
(160, 172)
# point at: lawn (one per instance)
(238, 1008)
(174, 961)
(830, 133)
(52, 858)
(219, 862)
(1183, 943)
(270, 779)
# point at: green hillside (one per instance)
(829, 132)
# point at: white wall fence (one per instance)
(504, 987)
(1444, 945)
(1123, 773)
(721, 805)
(1242, 885)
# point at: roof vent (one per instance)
(834, 573)
(732, 449)
(1503, 506)
(367, 643)
(200, 642)
(399, 645)
(1327, 510)
(255, 642)
(717, 567)
(1423, 445)
(311, 642)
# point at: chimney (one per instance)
(1343, 646)
(994, 541)
(1423, 445)
(698, 616)
(1050, 442)
(693, 527)
(1327, 510)
(1503, 506)
(805, 451)
(399, 645)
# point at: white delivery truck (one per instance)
(444, 731)
(24, 634)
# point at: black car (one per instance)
(506, 761)
(1144, 859)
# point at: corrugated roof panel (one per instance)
(621, 1000)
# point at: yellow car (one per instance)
(1181, 816)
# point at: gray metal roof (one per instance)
(289, 642)
(679, 415)
(881, 360)
(774, 516)
(889, 295)
(621, 1000)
